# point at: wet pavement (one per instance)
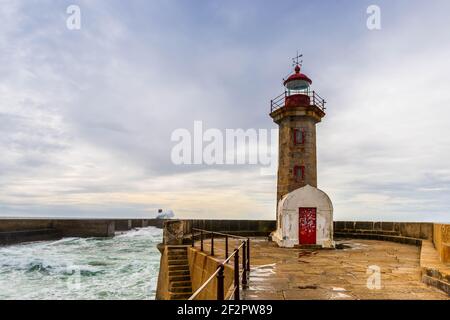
(347, 273)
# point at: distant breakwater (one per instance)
(14, 231)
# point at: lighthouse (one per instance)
(304, 212)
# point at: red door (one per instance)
(307, 226)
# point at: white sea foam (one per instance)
(123, 267)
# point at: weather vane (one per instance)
(296, 61)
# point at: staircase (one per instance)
(180, 285)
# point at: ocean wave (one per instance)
(123, 267)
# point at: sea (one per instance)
(119, 268)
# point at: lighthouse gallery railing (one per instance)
(314, 99)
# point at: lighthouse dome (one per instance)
(297, 81)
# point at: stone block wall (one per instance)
(441, 241)
(236, 227)
(177, 231)
(123, 224)
(26, 230)
(85, 228)
(202, 266)
(417, 230)
(162, 287)
(9, 225)
(291, 155)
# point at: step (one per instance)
(186, 283)
(179, 273)
(177, 250)
(179, 267)
(179, 296)
(181, 290)
(178, 262)
(179, 278)
(177, 257)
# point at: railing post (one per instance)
(248, 255)
(220, 286)
(201, 240)
(212, 243)
(236, 274)
(244, 267)
(192, 236)
(226, 246)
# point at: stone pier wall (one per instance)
(441, 241)
(202, 266)
(26, 230)
(405, 232)
(177, 231)
(418, 230)
(85, 228)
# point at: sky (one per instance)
(86, 116)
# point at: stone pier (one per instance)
(26, 230)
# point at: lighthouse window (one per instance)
(299, 136)
(299, 173)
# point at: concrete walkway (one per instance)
(337, 274)
(295, 274)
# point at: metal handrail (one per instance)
(219, 233)
(280, 101)
(219, 273)
(199, 290)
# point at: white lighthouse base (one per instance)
(293, 231)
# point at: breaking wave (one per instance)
(123, 267)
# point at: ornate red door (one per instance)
(307, 226)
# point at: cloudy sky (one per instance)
(86, 116)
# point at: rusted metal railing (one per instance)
(240, 276)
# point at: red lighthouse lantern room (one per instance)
(297, 88)
(297, 91)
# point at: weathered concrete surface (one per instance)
(181, 229)
(123, 224)
(25, 230)
(202, 266)
(280, 273)
(236, 227)
(162, 289)
(417, 230)
(158, 223)
(84, 228)
(8, 238)
(441, 240)
(290, 154)
(9, 225)
(174, 232)
(434, 271)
